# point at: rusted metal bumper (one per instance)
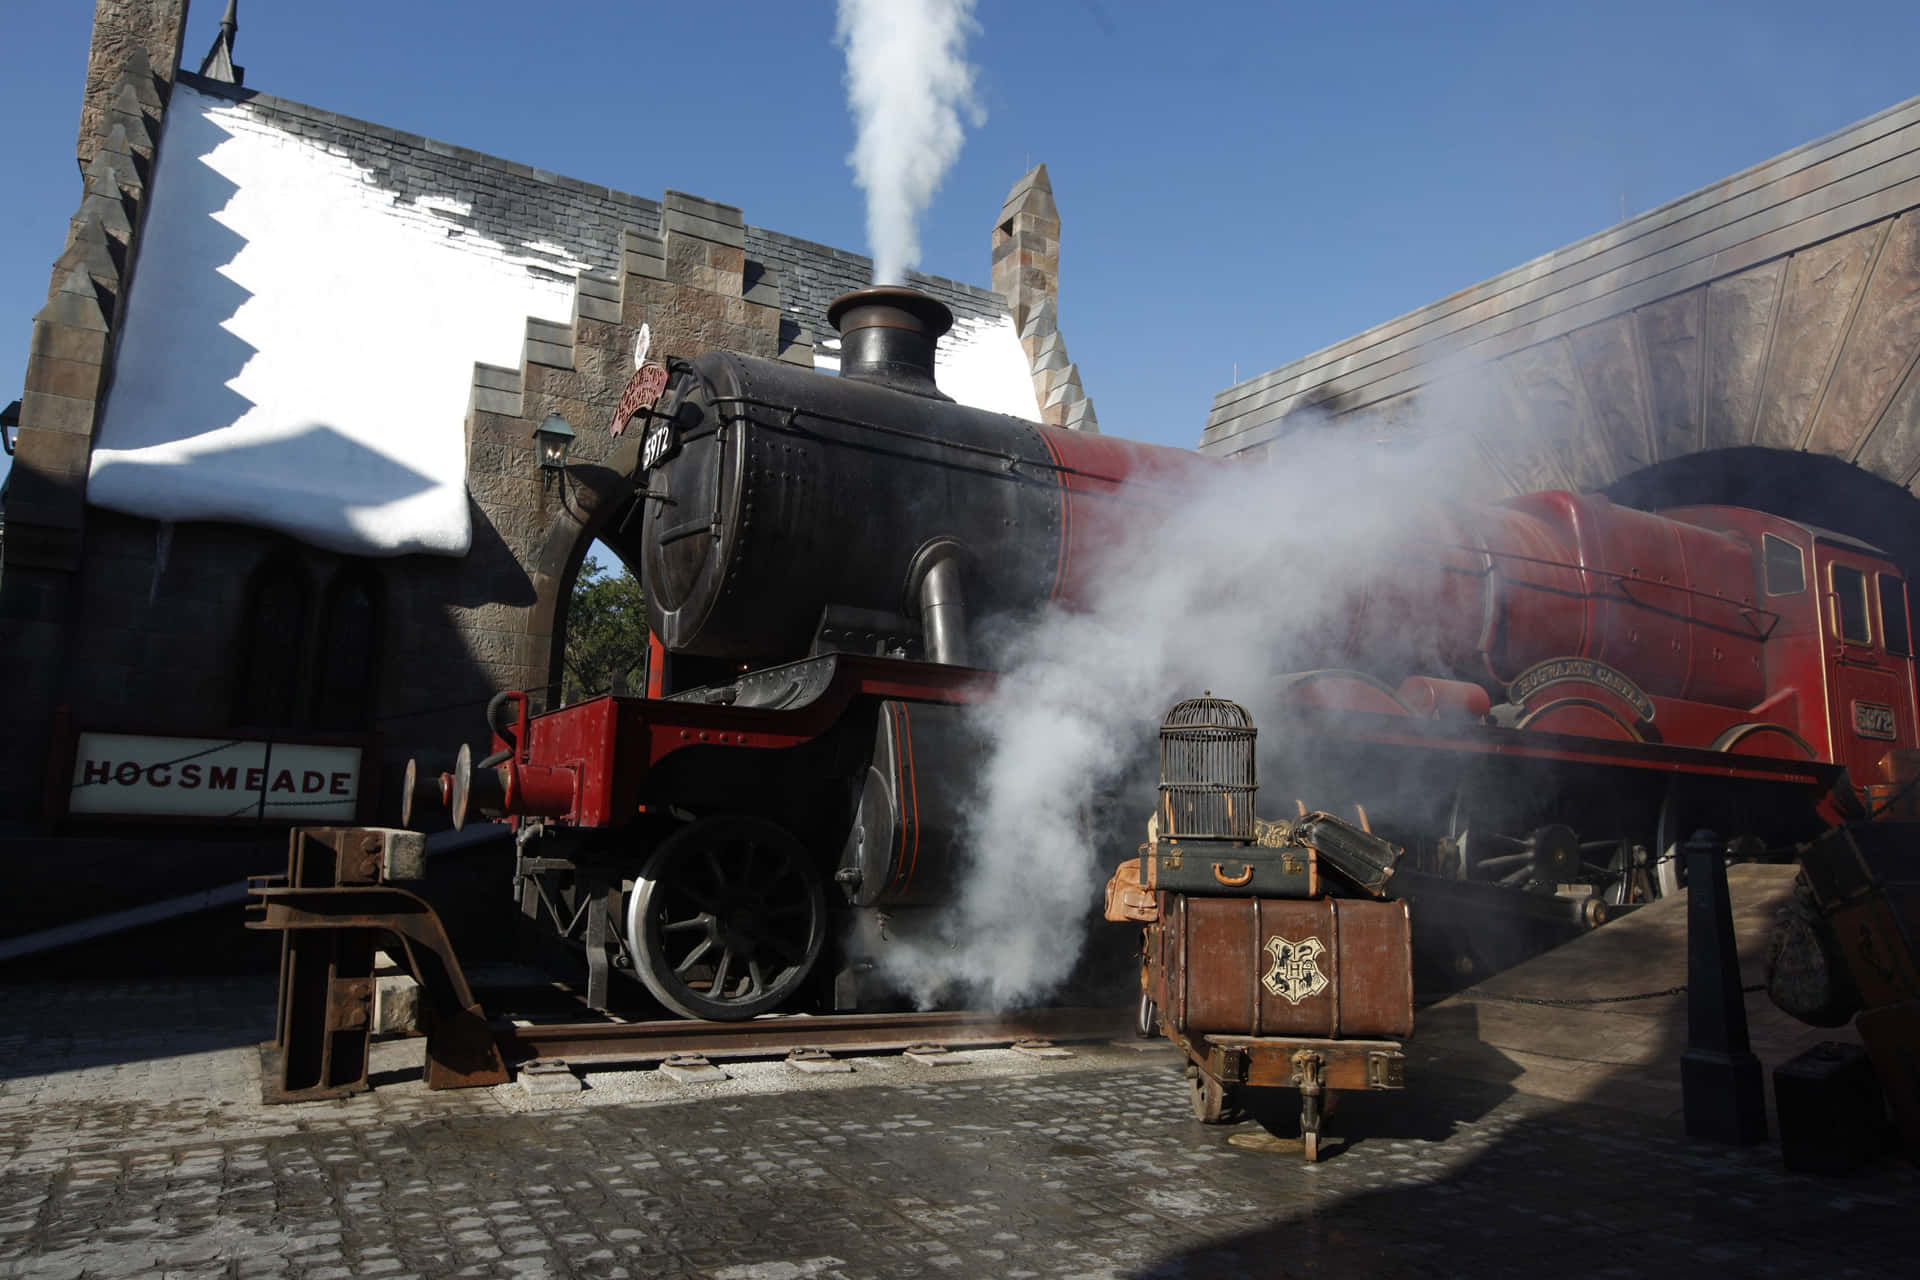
(333, 906)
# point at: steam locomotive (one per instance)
(1592, 681)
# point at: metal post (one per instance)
(1720, 1086)
(603, 908)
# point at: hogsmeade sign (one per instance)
(213, 779)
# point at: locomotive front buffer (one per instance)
(1270, 958)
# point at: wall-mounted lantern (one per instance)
(551, 440)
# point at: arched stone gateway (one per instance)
(1751, 338)
(604, 507)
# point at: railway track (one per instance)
(639, 1043)
(334, 910)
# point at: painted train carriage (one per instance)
(1622, 676)
(1589, 683)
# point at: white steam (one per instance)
(908, 84)
(1223, 587)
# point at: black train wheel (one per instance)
(726, 918)
(1213, 1102)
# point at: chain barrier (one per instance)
(1573, 1002)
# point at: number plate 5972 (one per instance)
(1874, 720)
(659, 444)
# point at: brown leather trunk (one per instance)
(1325, 967)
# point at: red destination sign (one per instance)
(643, 392)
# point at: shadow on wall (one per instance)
(433, 699)
(1811, 488)
(492, 573)
(621, 535)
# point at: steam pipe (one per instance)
(943, 614)
(934, 585)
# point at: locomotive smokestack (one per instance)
(888, 335)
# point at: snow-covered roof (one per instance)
(313, 292)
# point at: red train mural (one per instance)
(1589, 683)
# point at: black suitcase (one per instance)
(1832, 1116)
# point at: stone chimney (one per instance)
(130, 72)
(152, 29)
(1026, 272)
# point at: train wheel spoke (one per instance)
(693, 957)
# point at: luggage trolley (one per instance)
(1264, 973)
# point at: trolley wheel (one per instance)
(726, 918)
(1314, 1100)
(1213, 1102)
(1146, 1022)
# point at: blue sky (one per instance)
(1239, 183)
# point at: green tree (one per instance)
(606, 633)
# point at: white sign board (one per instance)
(117, 774)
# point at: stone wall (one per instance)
(690, 284)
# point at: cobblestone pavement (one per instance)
(142, 1149)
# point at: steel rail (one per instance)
(777, 1035)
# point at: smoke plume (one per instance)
(908, 84)
(1222, 587)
